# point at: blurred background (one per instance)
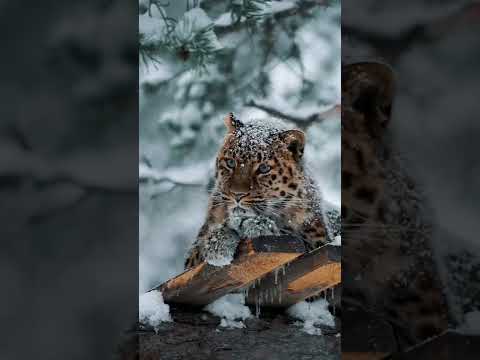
(200, 60)
(431, 46)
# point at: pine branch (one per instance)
(300, 8)
(301, 122)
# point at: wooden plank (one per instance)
(255, 257)
(299, 279)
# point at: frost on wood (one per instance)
(152, 310)
(312, 314)
(232, 309)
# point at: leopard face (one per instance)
(259, 170)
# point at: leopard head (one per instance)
(367, 94)
(259, 168)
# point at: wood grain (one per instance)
(255, 258)
(299, 279)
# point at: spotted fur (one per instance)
(388, 265)
(261, 184)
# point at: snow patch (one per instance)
(232, 309)
(312, 314)
(224, 20)
(219, 260)
(337, 241)
(193, 22)
(255, 134)
(152, 310)
(279, 6)
(152, 28)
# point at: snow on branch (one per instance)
(166, 181)
(278, 10)
(300, 122)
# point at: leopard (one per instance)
(388, 261)
(262, 187)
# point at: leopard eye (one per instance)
(264, 168)
(231, 163)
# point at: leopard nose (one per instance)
(239, 195)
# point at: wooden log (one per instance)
(299, 279)
(255, 257)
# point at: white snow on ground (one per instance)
(232, 309)
(312, 314)
(152, 310)
(471, 326)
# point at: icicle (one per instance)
(276, 276)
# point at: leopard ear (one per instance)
(295, 141)
(232, 123)
(368, 89)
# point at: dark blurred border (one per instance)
(68, 178)
(431, 47)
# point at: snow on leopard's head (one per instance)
(259, 168)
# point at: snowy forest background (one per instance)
(200, 60)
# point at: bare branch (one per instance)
(164, 182)
(166, 179)
(301, 122)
